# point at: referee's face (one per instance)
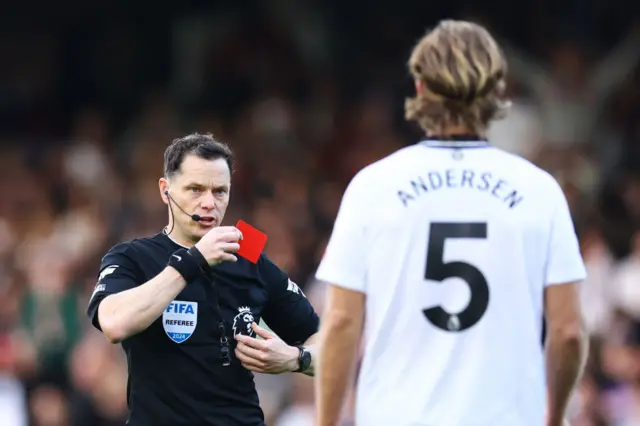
(201, 187)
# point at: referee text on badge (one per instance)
(179, 320)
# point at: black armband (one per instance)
(189, 263)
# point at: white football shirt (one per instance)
(453, 248)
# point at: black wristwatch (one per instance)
(304, 360)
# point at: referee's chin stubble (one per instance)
(188, 230)
(199, 229)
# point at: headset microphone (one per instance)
(194, 217)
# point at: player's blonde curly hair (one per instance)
(461, 72)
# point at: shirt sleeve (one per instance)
(344, 260)
(118, 272)
(288, 311)
(564, 261)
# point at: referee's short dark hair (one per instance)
(201, 145)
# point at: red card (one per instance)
(252, 242)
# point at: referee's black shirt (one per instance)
(176, 376)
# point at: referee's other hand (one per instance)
(269, 355)
(219, 244)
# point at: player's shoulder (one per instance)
(382, 169)
(516, 161)
(528, 171)
(403, 159)
(397, 158)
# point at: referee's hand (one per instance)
(269, 355)
(219, 244)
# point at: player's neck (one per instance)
(456, 133)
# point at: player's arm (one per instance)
(566, 343)
(123, 303)
(294, 322)
(566, 347)
(344, 268)
(339, 339)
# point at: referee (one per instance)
(186, 309)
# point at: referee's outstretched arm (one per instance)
(124, 304)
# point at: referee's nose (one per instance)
(208, 201)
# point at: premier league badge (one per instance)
(179, 320)
(242, 323)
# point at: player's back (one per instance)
(456, 244)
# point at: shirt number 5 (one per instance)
(437, 270)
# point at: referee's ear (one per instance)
(163, 185)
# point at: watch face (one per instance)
(305, 362)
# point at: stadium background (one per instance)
(306, 93)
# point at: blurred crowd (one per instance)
(304, 103)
